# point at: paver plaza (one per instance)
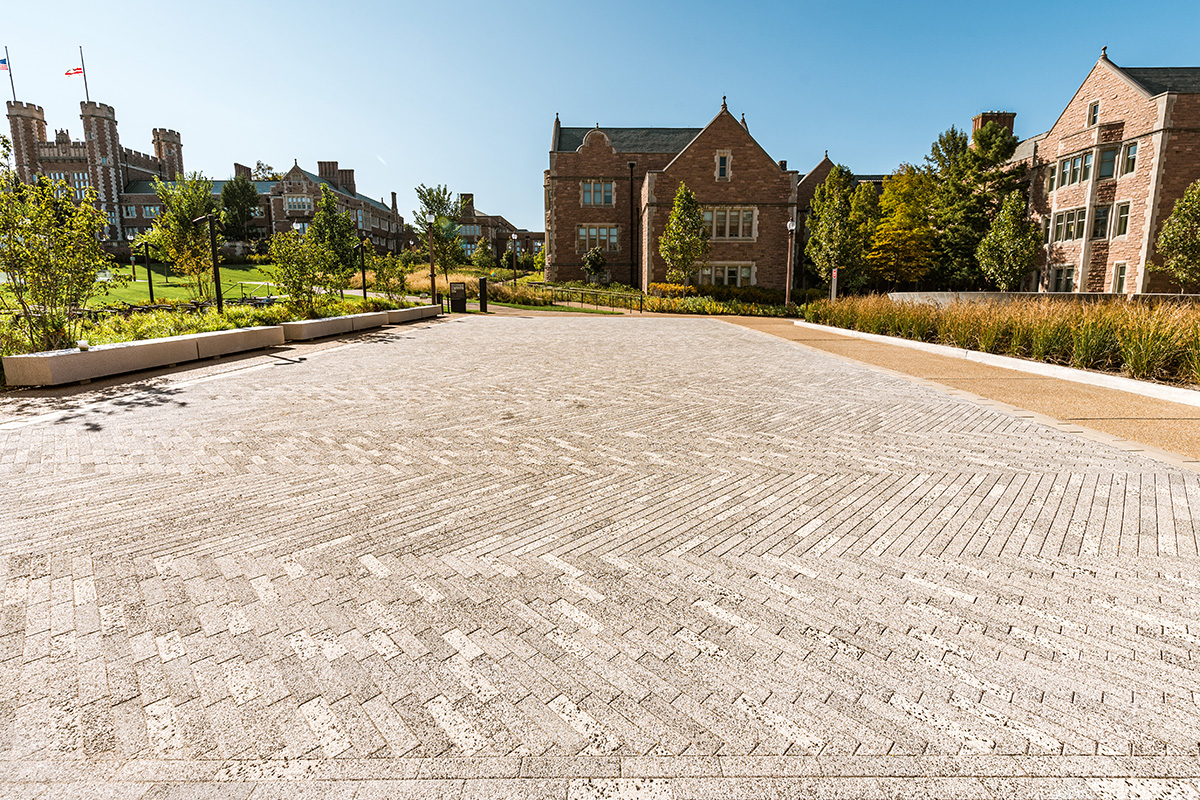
(584, 557)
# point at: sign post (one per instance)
(833, 285)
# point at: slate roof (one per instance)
(1025, 147)
(263, 187)
(631, 140)
(1156, 80)
(147, 187)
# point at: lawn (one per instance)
(236, 280)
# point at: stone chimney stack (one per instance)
(241, 170)
(345, 179)
(1004, 119)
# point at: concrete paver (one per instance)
(584, 557)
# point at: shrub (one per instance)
(1149, 340)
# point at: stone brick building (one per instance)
(124, 178)
(98, 160)
(1108, 173)
(614, 187)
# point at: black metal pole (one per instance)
(8, 63)
(83, 68)
(149, 274)
(362, 266)
(432, 274)
(787, 292)
(212, 237)
(514, 258)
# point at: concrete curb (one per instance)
(1173, 394)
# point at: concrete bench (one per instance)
(398, 315)
(68, 366)
(305, 329)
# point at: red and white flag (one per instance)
(76, 71)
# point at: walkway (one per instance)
(582, 557)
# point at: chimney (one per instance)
(241, 170)
(1002, 118)
(394, 203)
(345, 179)
(783, 165)
(328, 170)
(467, 203)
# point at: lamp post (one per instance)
(632, 251)
(214, 222)
(514, 258)
(787, 291)
(362, 265)
(429, 220)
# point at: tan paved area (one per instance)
(1169, 426)
(583, 557)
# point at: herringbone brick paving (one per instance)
(581, 558)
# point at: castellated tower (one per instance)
(168, 148)
(104, 155)
(28, 125)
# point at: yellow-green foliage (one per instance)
(1156, 342)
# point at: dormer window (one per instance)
(1093, 113)
(723, 159)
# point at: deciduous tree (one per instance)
(50, 250)
(841, 227)
(446, 209)
(1009, 250)
(239, 199)
(684, 243)
(336, 232)
(183, 242)
(1179, 239)
(265, 172)
(300, 266)
(904, 244)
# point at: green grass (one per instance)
(173, 287)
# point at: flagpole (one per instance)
(83, 66)
(8, 63)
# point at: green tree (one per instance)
(594, 262)
(841, 227)
(539, 261)
(904, 246)
(1179, 239)
(446, 209)
(336, 232)
(970, 184)
(483, 258)
(390, 273)
(684, 242)
(300, 266)
(265, 172)
(50, 250)
(183, 242)
(1009, 250)
(239, 199)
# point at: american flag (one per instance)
(3, 64)
(76, 71)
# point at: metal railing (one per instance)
(597, 298)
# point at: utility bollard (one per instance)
(483, 295)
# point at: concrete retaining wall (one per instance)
(410, 314)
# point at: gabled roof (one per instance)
(1157, 80)
(317, 179)
(630, 140)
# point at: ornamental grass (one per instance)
(1145, 341)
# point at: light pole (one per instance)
(787, 291)
(362, 265)
(214, 222)
(632, 252)
(514, 258)
(429, 220)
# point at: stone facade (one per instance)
(1108, 173)
(604, 184)
(97, 161)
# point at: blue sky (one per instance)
(465, 94)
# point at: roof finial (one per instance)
(597, 126)
(723, 106)
(295, 162)
(556, 116)
(827, 152)
(1104, 51)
